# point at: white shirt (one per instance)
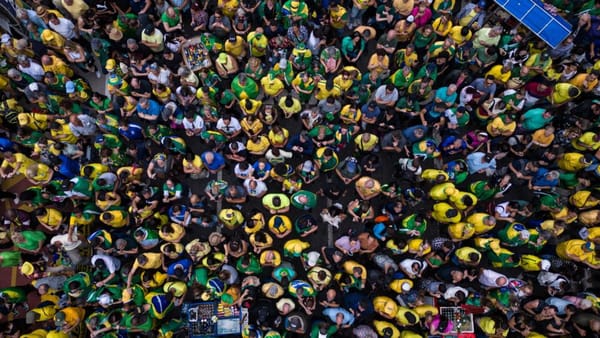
(112, 263)
(233, 274)
(109, 177)
(65, 27)
(382, 94)
(406, 265)
(488, 278)
(68, 244)
(283, 154)
(243, 173)
(451, 292)
(197, 123)
(34, 70)
(465, 97)
(501, 209)
(260, 189)
(162, 77)
(87, 128)
(232, 127)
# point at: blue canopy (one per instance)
(551, 28)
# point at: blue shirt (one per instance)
(475, 162)
(218, 161)
(6, 144)
(541, 179)
(441, 94)
(179, 216)
(370, 113)
(133, 132)
(449, 141)
(259, 173)
(409, 133)
(332, 313)
(185, 263)
(153, 108)
(68, 167)
(308, 146)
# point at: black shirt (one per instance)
(145, 87)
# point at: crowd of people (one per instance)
(337, 168)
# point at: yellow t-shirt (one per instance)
(465, 20)
(496, 71)
(385, 306)
(19, 158)
(464, 252)
(295, 246)
(154, 261)
(586, 139)
(440, 28)
(261, 146)
(53, 219)
(236, 48)
(278, 139)
(350, 116)
(457, 37)
(196, 162)
(271, 85)
(573, 248)
(540, 137)
(64, 134)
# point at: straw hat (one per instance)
(215, 238)
(272, 290)
(41, 11)
(115, 34)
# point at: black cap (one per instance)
(149, 29)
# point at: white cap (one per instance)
(5, 38)
(104, 299)
(545, 265)
(312, 258)
(410, 18)
(525, 234)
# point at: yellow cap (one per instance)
(110, 64)
(27, 269)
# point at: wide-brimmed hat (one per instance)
(215, 238)
(115, 34)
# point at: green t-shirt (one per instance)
(252, 268)
(422, 41)
(171, 22)
(146, 326)
(400, 81)
(326, 164)
(32, 239)
(83, 186)
(350, 49)
(160, 132)
(250, 89)
(482, 194)
(409, 223)
(534, 119)
(10, 258)
(311, 200)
